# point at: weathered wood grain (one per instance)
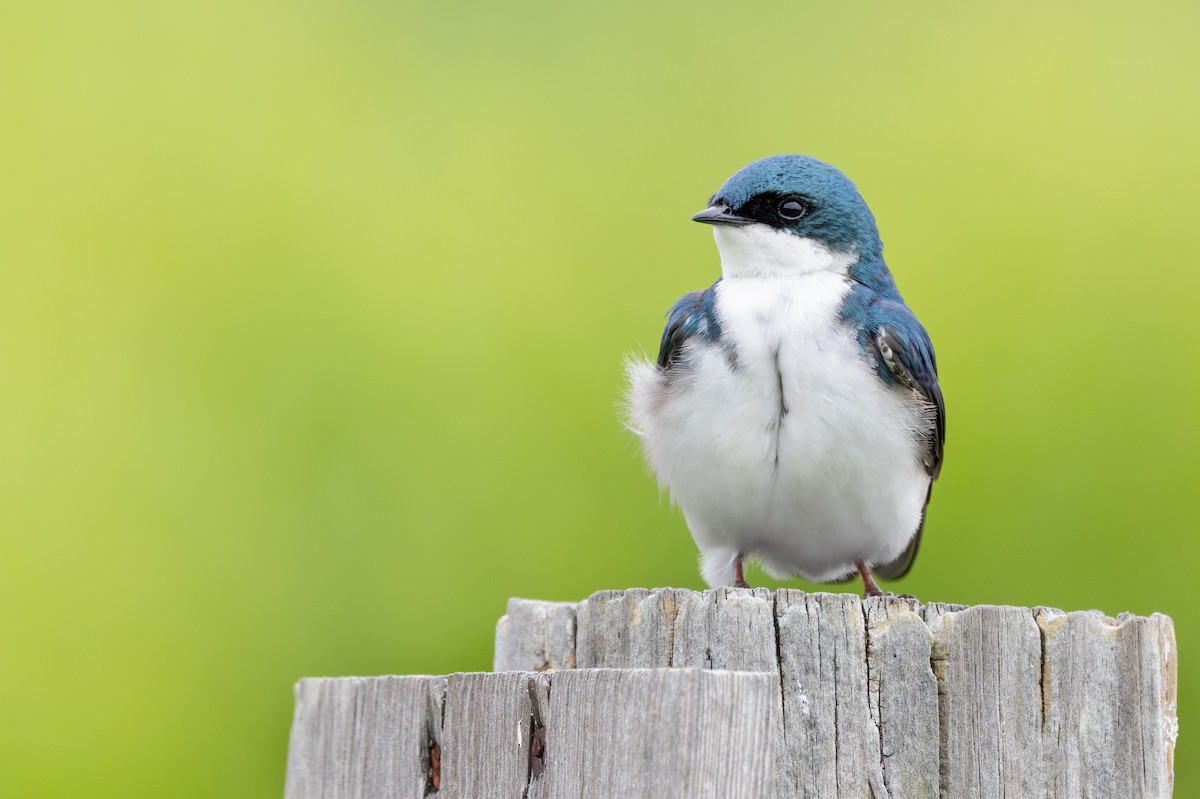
(889, 697)
(987, 661)
(830, 741)
(1105, 735)
(753, 693)
(360, 737)
(535, 636)
(572, 734)
(904, 698)
(485, 746)
(651, 734)
(720, 629)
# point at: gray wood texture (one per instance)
(363, 736)
(886, 697)
(571, 734)
(535, 636)
(656, 733)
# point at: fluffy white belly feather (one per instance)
(780, 441)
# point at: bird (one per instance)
(794, 412)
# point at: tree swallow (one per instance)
(794, 412)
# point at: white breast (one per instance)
(785, 443)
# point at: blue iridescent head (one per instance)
(802, 196)
(792, 214)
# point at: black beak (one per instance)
(720, 214)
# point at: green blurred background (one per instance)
(313, 318)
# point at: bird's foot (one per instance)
(870, 588)
(739, 579)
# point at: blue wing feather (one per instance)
(694, 314)
(914, 363)
(888, 327)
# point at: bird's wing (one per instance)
(904, 357)
(693, 314)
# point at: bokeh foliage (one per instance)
(313, 317)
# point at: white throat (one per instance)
(762, 251)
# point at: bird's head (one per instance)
(791, 214)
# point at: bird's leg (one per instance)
(739, 580)
(869, 586)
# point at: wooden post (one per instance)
(754, 693)
(648, 733)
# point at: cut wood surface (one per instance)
(888, 697)
(641, 733)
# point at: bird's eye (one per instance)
(791, 210)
